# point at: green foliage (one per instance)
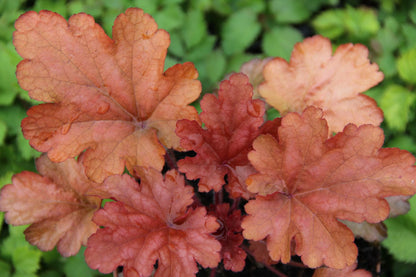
(24, 258)
(401, 240)
(279, 41)
(396, 103)
(239, 31)
(356, 23)
(406, 66)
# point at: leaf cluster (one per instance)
(209, 33)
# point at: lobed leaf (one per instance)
(334, 83)
(232, 122)
(150, 222)
(307, 183)
(93, 84)
(230, 237)
(55, 203)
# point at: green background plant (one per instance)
(219, 36)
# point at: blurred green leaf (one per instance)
(25, 257)
(396, 103)
(258, 6)
(329, 23)
(296, 11)
(7, 6)
(279, 41)
(409, 33)
(176, 47)
(25, 150)
(358, 23)
(239, 31)
(289, 11)
(3, 130)
(76, 266)
(215, 66)
(361, 23)
(171, 17)
(26, 260)
(401, 241)
(387, 64)
(412, 14)
(6, 179)
(389, 37)
(236, 61)
(1, 226)
(406, 65)
(5, 269)
(148, 6)
(222, 7)
(194, 29)
(12, 116)
(201, 5)
(201, 50)
(170, 2)
(58, 6)
(8, 81)
(404, 142)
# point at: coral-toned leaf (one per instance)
(55, 203)
(232, 123)
(93, 84)
(152, 222)
(307, 183)
(334, 83)
(230, 237)
(346, 272)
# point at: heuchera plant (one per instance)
(279, 188)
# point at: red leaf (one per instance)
(94, 84)
(306, 183)
(334, 83)
(230, 237)
(57, 205)
(152, 222)
(232, 122)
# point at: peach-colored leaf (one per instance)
(334, 83)
(109, 96)
(55, 203)
(232, 122)
(307, 183)
(254, 71)
(150, 222)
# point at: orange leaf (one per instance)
(334, 83)
(232, 123)
(57, 205)
(307, 183)
(94, 84)
(152, 222)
